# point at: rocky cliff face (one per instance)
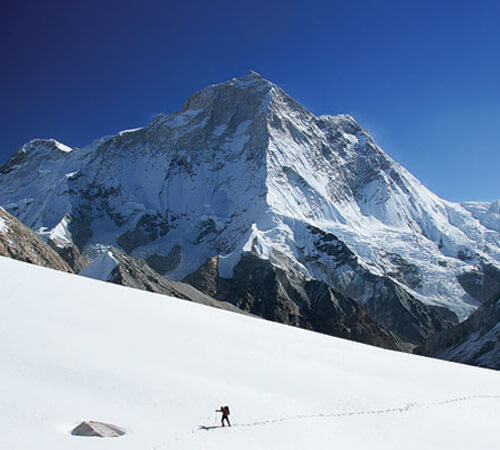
(287, 297)
(387, 298)
(65, 239)
(484, 284)
(20, 242)
(243, 168)
(475, 341)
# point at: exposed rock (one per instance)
(19, 242)
(483, 284)
(79, 231)
(386, 300)
(475, 341)
(402, 270)
(148, 228)
(205, 278)
(92, 428)
(65, 239)
(164, 264)
(408, 318)
(269, 292)
(130, 240)
(117, 267)
(70, 254)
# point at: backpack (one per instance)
(225, 410)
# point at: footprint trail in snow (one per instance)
(402, 409)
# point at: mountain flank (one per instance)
(262, 204)
(19, 242)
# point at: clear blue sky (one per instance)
(422, 76)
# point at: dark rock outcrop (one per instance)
(148, 228)
(482, 284)
(136, 273)
(408, 318)
(19, 242)
(163, 264)
(71, 254)
(475, 341)
(72, 234)
(205, 278)
(263, 289)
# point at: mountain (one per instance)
(74, 349)
(19, 242)
(475, 341)
(243, 169)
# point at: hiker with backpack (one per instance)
(225, 414)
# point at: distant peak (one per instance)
(250, 82)
(50, 144)
(251, 78)
(251, 75)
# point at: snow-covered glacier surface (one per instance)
(243, 167)
(75, 349)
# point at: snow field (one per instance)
(76, 349)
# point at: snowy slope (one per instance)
(114, 266)
(243, 167)
(76, 349)
(487, 213)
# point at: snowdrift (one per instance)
(75, 349)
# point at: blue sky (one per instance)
(422, 76)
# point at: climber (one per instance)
(225, 414)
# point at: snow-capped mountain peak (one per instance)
(47, 144)
(244, 168)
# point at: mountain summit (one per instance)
(242, 176)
